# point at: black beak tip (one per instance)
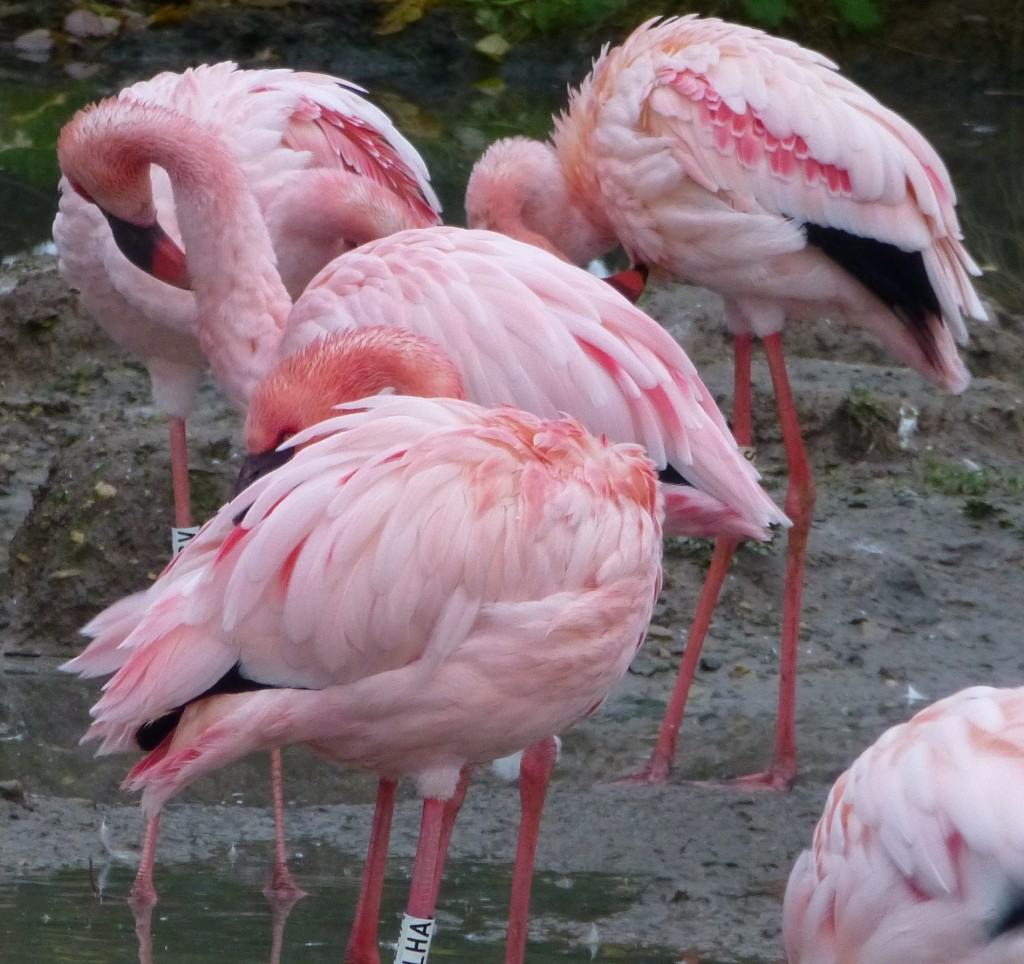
(256, 466)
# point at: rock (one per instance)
(86, 24)
(13, 792)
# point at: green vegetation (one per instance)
(866, 425)
(971, 480)
(981, 484)
(508, 22)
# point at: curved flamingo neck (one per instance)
(241, 302)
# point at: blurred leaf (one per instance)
(494, 45)
(169, 15)
(402, 14)
(490, 85)
(861, 14)
(768, 12)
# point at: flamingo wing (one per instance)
(767, 120)
(298, 120)
(528, 330)
(336, 125)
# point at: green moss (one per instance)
(966, 479)
(865, 423)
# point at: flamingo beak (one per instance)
(254, 467)
(259, 464)
(152, 250)
(630, 283)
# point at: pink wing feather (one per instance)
(525, 329)
(920, 851)
(407, 535)
(332, 136)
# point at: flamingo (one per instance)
(330, 171)
(423, 586)
(918, 855)
(744, 163)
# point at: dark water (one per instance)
(216, 913)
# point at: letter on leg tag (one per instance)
(181, 538)
(414, 942)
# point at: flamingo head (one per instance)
(103, 155)
(341, 367)
(518, 187)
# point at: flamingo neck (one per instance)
(241, 302)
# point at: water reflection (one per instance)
(215, 912)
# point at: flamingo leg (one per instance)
(363, 942)
(800, 497)
(281, 887)
(143, 893)
(534, 776)
(418, 924)
(179, 474)
(451, 811)
(659, 765)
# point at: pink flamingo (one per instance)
(380, 589)
(918, 854)
(330, 172)
(734, 160)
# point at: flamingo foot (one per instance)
(776, 780)
(281, 889)
(653, 773)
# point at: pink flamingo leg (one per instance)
(281, 886)
(534, 776)
(800, 497)
(658, 767)
(426, 872)
(179, 474)
(451, 811)
(363, 942)
(143, 894)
